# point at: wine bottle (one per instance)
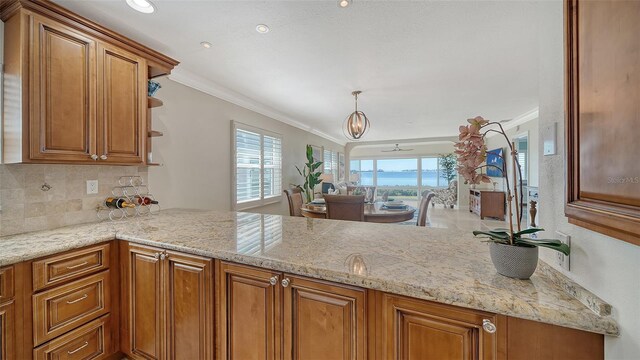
(143, 200)
(118, 203)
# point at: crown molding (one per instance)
(522, 118)
(199, 83)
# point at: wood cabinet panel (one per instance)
(63, 98)
(8, 330)
(602, 83)
(318, 313)
(249, 313)
(190, 306)
(122, 104)
(415, 329)
(90, 341)
(146, 316)
(71, 265)
(61, 309)
(533, 340)
(7, 283)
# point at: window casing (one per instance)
(257, 167)
(330, 163)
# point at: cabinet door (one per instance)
(189, 307)
(7, 331)
(415, 329)
(322, 320)
(63, 83)
(145, 324)
(122, 89)
(249, 310)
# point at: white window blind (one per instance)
(258, 166)
(330, 164)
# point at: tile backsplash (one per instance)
(28, 206)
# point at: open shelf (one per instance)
(153, 102)
(155, 133)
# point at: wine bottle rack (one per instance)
(129, 188)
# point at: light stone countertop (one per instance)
(442, 265)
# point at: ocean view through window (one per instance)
(401, 178)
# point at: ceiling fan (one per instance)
(397, 148)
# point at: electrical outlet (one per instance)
(561, 259)
(92, 187)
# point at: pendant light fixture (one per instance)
(357, 123)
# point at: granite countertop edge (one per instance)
(77, 236)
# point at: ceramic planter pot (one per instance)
(516, 262)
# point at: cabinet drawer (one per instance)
(6, 284)
(59, 268)
(63, 308)
(91, 341)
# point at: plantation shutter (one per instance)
(272, 185)
(248, 165)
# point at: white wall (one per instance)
(608, 267)
(497, 141)
(196, 149)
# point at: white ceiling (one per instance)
(423, 67)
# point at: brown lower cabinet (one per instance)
(270, 315)
(416, 329)
(167, 304)
(170, 305)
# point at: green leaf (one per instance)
(553, 244)
(492, 234)
(316, 165)
(528, 231)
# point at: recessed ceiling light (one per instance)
(262, 28)
(344, 3)
(206, 44)
(143, 6)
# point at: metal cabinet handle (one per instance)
(488, 326)
(79, 299)
(273, 281)
(77, 266)
(103, 157)
(78, 349)
(156, 256)
(163, 256)
(94, 157)
(285, 282)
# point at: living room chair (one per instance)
(345, 207)
(294, 197)
(448, 196)
(424, 208)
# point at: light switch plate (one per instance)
(549, 139)
(561, 259)
(92, 187)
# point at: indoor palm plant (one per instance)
(513, 252)
(310, 174)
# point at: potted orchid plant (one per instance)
(513, 252)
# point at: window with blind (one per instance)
(330, 163)
(257, 166)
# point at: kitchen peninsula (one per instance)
(383, 289)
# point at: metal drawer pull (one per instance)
(488, 326)
(273, 280)
(77, 266)
(76, 300)
(285, 282)
(78, 349)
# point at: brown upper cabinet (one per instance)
(602, 86)
(75, 92)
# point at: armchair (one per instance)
(446, 197)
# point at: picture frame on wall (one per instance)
(495, 158)
(341, 168)
(317, 153)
